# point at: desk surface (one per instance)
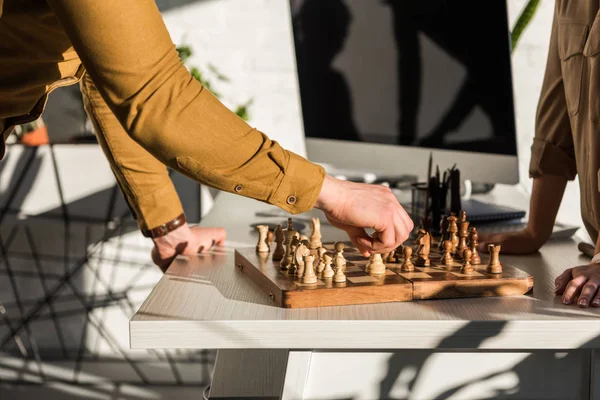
(204, 302)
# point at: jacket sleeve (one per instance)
(552, 152)
(144, 180)
(129, 55)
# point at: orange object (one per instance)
(36, 137)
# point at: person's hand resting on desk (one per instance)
(582, 281)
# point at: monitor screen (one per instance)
(425, 73)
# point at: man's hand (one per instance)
(584, 281)
(185, 240)
(353, 207)
(522, 242)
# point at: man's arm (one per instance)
(131, 58)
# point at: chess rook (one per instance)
(494, 266)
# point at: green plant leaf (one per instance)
(219, 75)
(522, 22)
(185, 52)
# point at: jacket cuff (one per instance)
(550, 159)
(157, 208)
(300, 186)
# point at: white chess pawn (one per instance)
(339, 273)
(376, 266)
(262, 246)
(328, 271)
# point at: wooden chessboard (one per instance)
(433, 282)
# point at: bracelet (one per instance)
(595, 259)
(164, 229)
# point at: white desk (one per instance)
(204, 302)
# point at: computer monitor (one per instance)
(385, 83)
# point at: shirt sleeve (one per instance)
(552, 152)
(131, 58)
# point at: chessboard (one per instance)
(298, 272)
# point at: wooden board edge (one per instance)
(243, 265)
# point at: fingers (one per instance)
(393, 231)
(573, 287)
(561, 281)
(588, 291)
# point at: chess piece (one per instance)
(375, 266)
(467, 267)
(473, 244)
(279, 251)
(463, 234)
(391, 257)
(321, 265)
(447, 258)
(339, 253)
(408, 265)
(462, 216)
(299, 254)
(339, 276)
(315, 237)
(303, 238)
(452, 230)
(328, 271)
(398, 253)
(424, 242)
(288, 237)
(292, 266)
(494, 266)
(309, 270)
(262, 246)
(443, 232)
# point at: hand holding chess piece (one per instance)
(354, 207)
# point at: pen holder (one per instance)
(419, 205)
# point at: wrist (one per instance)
(328, 194)
(166, 228)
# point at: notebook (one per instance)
(478, 211)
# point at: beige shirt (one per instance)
(567, 135)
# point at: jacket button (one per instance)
(291, 199)
(238, 188)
